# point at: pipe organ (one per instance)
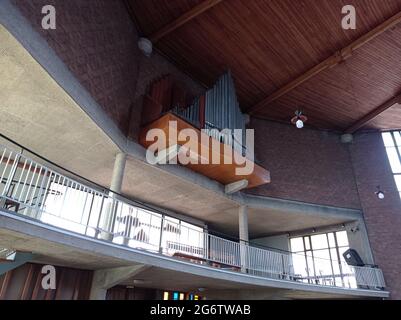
(217, 113)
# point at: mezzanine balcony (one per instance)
(36, 191)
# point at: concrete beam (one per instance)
(235, 186)
(14, 261)
(52, 241)
(107, 278)
(294, 207)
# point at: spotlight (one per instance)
(379, 193)
(299, 119)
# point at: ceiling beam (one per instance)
(373, 114)
(330, 62)
(186, 17)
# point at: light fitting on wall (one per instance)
(354, 230)
(146, 46)
(379, 193)
(299, 119)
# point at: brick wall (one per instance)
(151, 68)
(97, 41)
(382, 217)
(305, 165)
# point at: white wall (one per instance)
(280, 242)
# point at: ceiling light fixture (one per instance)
(379, 193)
(299, 119)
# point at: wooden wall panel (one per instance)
(124, 293)
(24, 283)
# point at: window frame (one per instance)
(311, 271)
(397, 147)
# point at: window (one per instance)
(180, 296)
(392, 142)
(318, 259)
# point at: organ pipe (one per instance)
(221, 111)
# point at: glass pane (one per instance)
(332, 243)
(341, 252)
(350, 282)
(339, 282)
(307, 243)
(398, 181)
(323, 262)
(387, 139)
(297, 245)
(342, 239)
(299, 264)
(394, 159)
(334, 257)
(311, 269)
(397, 138)
(319, 241)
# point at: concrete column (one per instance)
(243, 236)
(109, 215)
(118, 172)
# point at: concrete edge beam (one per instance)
(36, 229)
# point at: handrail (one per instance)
(41, 193)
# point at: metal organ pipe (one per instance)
(222, 111)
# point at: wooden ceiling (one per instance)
(267, 44)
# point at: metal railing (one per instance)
(37, 191)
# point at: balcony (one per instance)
(36, 191)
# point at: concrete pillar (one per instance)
(243, 236)
(109, 216)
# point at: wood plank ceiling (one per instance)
(269, 43)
